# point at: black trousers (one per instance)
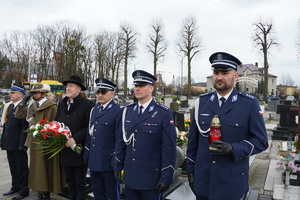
(18, 165)
(76, 180)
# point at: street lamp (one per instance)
(181, 76)
(257, 78)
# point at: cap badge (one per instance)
(219, 56)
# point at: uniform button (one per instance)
(133, 149)
(133, 159)
(236, 124)
(94, 138)
(136, 131)
(96, 122)
(94, 129)
(135, 140)
(241, 158)
(106, 123)
(243, 174)
(93, 145)
(214, 162)
(156, 169)
(202, 122)
(150, 131)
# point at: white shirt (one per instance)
(145, 105)
(226, 97)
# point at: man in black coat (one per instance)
(74, 112)
(12, 140)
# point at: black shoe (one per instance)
(40, 196)
(46, 196)
(8, 193)
(19, 197)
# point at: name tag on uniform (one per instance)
(202, 114)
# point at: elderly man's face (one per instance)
(104, 96)
(72, 90)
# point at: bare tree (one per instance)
(129, 40)
(264, 39)
(286, 79)
(189, 44)
(16, 47)
(156, 43)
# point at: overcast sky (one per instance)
(224, 25)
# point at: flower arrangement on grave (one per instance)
(181, 138)
(178, 102)
(159, 101)
(295, 143)
(286, 163)
(52, 137)
(187, 122)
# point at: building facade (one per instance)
(250, 78)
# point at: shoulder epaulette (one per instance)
(247, 95)
(163, 106)
(206, 94)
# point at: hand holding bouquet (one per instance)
(52, 137)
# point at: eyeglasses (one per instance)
(103, 92)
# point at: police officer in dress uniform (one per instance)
(222, 173)
(13, 140)
(100, 141)
(146, 147)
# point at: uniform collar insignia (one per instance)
(234, 98)
(151, 108)
(109, 106)
(212, 97)
(135, 107)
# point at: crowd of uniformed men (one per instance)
(133, 145)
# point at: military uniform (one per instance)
(100, 144)
(219, 177)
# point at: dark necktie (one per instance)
(223, 101)
(140, 111)
(101, 108)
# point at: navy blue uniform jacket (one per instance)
(13, 135)
(149, 156)
(225, 177)
(101, 138)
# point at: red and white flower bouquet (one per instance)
(52, 137)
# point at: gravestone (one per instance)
(272, 105)
(174, 106)
(179, 120)
(287, 123)
(168, 102)
(184, 104)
